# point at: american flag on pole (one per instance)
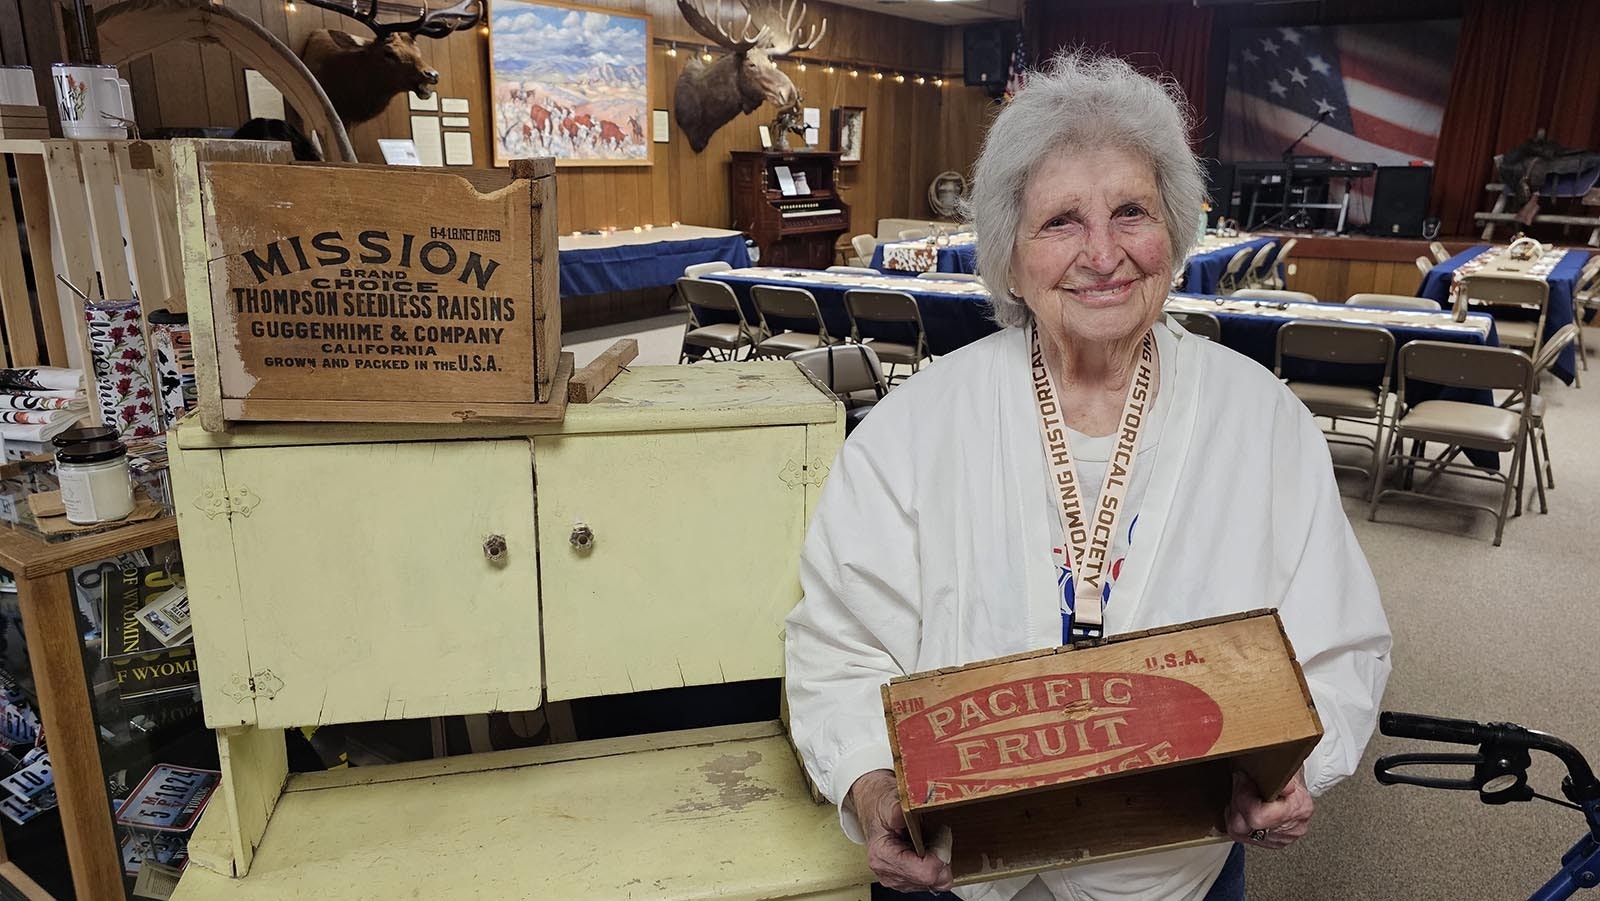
(1017, 69)
(1380, 88)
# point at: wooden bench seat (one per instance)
(719, 813)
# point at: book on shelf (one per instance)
(142, 664)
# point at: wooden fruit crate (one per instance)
(351, 293)
(1073, 755)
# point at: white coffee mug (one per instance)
(90, 101)
(16, 86)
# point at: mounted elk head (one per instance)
(709, 96)
(361, 75)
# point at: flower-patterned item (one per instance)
(122, 368)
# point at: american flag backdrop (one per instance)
(1382, 88)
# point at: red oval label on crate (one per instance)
(1052, 729)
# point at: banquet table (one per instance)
(1251, 328)
(959, 255)
(634, 261)
(1560, 273)
(953, 313)
(1205, 265)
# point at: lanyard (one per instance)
(1088, 542)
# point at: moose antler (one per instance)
(429, 23)
(785, 22)
(711, 27)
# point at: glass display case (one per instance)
(104, 756)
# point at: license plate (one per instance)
(169, 798)
(31, 781)
(20, 811)
(167, 850)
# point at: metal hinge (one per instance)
(796, 475)
(264, 684)
(216, 500)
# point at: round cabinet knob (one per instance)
(582, 537)
(494, 547)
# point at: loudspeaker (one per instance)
(986, 56)
(1219, 187)
(1400, 201)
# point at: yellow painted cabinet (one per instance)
(370, 581)
(693, 562)
(342, 573)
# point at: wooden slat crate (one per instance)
(103, 215)
(349, 293)
(1072, 755)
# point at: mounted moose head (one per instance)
(361, 75)
(709, 96)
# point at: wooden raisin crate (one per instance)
(375, 293)
(1072, 755)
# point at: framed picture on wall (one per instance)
(848, 122)
(569, 82)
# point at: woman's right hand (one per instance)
(875, 799)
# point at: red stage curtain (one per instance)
(1519, 67)
(1157, 39)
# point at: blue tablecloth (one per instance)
(1562, 280)
(635, 267)
(952, 258)
(1203, 270)
(951, 321)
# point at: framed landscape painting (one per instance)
(569, 82)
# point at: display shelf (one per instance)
(54, 639)
(719, 813)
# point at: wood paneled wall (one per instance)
(1332, 281)
(913, 132)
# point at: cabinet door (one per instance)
(695, 560)
(367, 590)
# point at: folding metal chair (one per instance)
(1367, 402)
(1203, 324)
(913, 234)
(1393, 302)
(1538, 444)
(1424, 265)
(1232, 276)
(1278, 271)
(1439, 253)
(724, 338)
(1585, 300)
(1459, 424)
(1504, 292)
(888, 308)
(848, 371)
(1273, 294)
(1256, 275)
(795, 305)
(863, 245)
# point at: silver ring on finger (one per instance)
(1260, 835)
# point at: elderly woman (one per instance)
(938, 540)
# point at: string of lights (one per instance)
(854, 69)
(707, 54)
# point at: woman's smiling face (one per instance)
(1093, 259)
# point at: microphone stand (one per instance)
(1288, 156)
(1288, 153)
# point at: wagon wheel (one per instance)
(135, 28)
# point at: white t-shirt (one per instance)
(1091, 457)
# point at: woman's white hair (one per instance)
(1080, 101)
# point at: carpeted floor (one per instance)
(1482, 633)
(1507, 634)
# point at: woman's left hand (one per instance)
(1274, 823)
